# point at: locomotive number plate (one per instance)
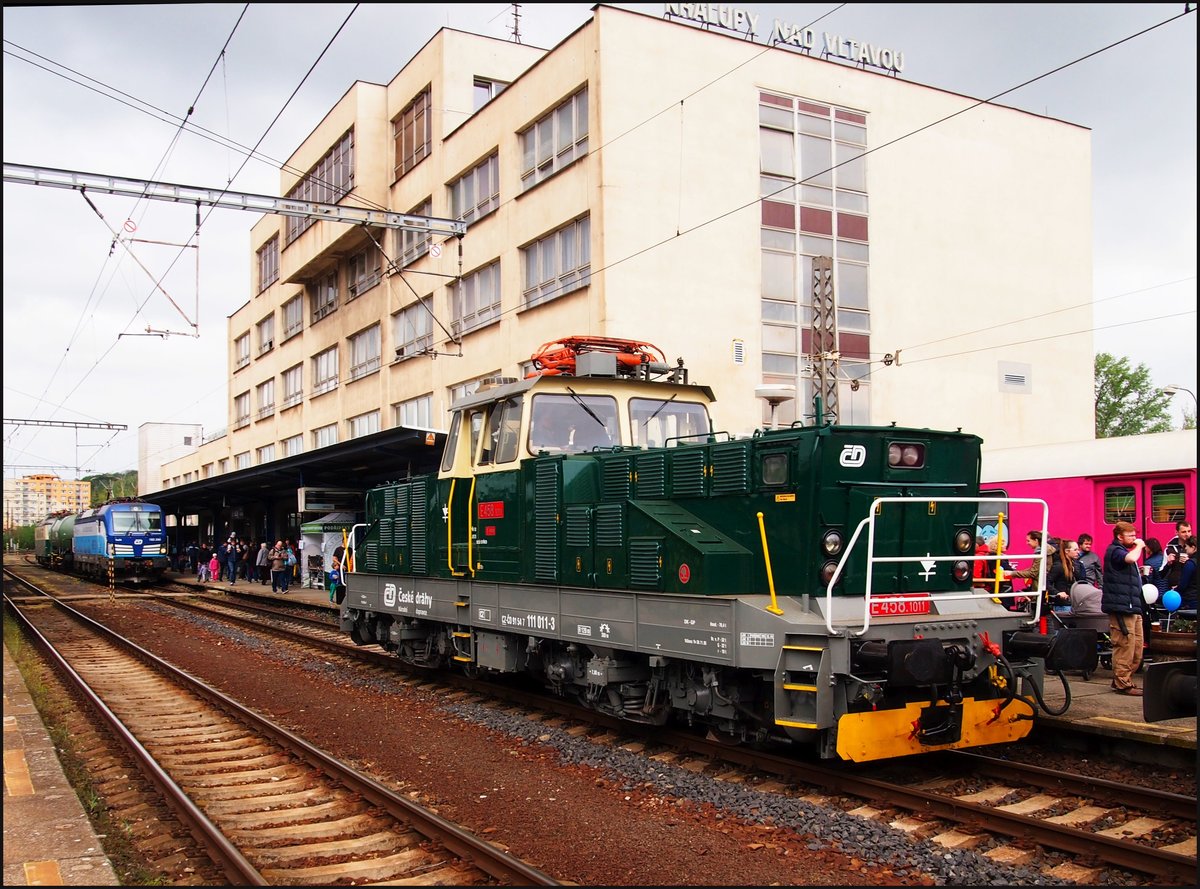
(916, 603)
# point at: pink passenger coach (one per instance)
(1089, 486)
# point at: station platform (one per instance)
(48, 840)
(1096, 709)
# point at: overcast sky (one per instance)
(100, 89)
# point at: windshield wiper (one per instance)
(646, 421)
(591, 413)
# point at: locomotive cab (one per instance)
(510, 420)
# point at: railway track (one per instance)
(1073, 827)
(267, 806)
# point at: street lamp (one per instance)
(1172, 388)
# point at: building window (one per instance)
(555, 141)
(293, 316)
(324, 296)
(293, 385)
(241, 411)
(412, 134)
(266, 454)
(325, 436)
(242, 460)
(268, 264)
(412, 330)
(485, 90)
(266, 334)
(558, 263)
(412, 244)
(328, 182)
(293, 446)
(814, 203)
(364, 352)
(266, 399)
(416, 412)
(325, 371)
(362, 272)
(476, 193)
(469, 387)
(364, 424)
(475, 301)
(206, 470)
(223, 466)
(241, 351)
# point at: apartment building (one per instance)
(29, 499)
(651, 179)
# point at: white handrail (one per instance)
(351, 549)
(869, 523)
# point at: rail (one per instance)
(928, 559)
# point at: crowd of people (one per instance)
(237, 558)
(1124, 584)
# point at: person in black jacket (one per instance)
(1122, 602)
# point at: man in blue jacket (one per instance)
(1122, 602)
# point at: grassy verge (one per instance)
(56, 708)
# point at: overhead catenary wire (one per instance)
(274, 120)
(877, 148)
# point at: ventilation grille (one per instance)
(643, 563)
(614, 483)
(731, 470)
(545, 522)
(610, 524)
(418, 526)
(687, 473)
(652, 476)
(578, 526)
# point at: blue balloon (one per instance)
(1171, 600)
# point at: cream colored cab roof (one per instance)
(615, 392)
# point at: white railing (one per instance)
(929, 559)
(351, 557)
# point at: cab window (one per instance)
(572, 423)
(654, 421)
(451, 442)
(503, 432)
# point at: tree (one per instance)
(1127, 403)
(106, 486)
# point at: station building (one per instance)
(670, 181)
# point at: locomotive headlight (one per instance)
(906, 455)
(162, 550)
(961, 571)
(832, 542)
(963, 540)
(112, 550)
(827, 571)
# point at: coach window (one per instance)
(1119, 505)
(1167, 504)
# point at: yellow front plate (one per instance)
(885, 734)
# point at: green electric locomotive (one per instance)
(589, 526)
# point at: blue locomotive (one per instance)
(122, 538)
(812, 583)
